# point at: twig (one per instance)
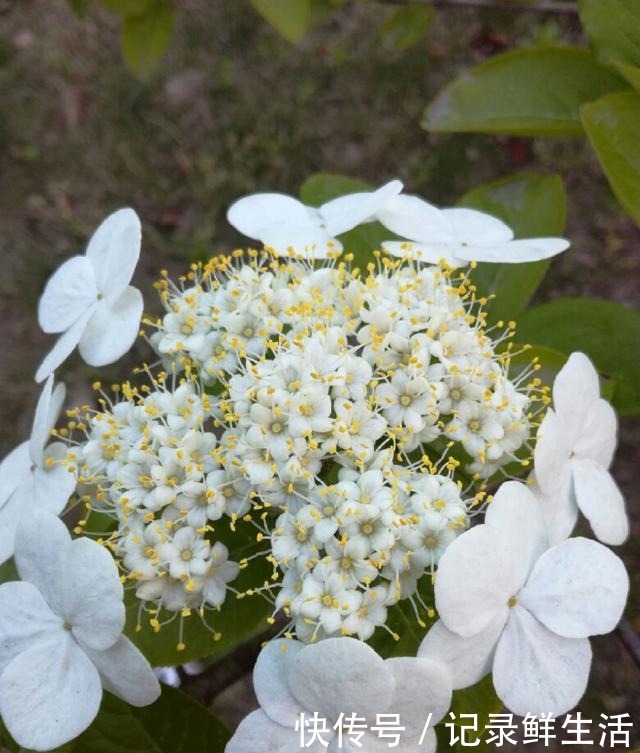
(630, 640)
(544, 6)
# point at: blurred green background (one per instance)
(234, 108)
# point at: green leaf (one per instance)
(406, 26)
(175, 723)
(607, 332)
(291, 18)
(613, 126)
(145, 37)
(237, 622)
(613, 28)
(128, 7)
(362, 240)
(8, 571)
(533, 206)
(535, 92)
(631, 73)
(80, 7)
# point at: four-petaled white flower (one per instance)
(89, 299)
(340, 676)
(510, 605)
(61, 637)
(458, 235)
(291, 228)
(33, 476)
(576, 442)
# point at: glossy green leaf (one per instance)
(145, 37)
(533, 206)
(549, 360)
(362, 240)
(406, 26)
(535, 92)
(613, 126)
(291, 18)
(175, 723)
(607, 332)
(128, 7)
(613, 28)
(237, 622)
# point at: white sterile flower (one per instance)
(89, 298)
(293, 229)
(457, 235)
(33, 475)
(575, 446)
(340, 676)
(509, 605)
(61, 637)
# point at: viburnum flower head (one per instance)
(89, 299)
(291, 228)
(340, 676)
(34, 475)
(61, 637)
(510, 605)
(458, 235)
(576, 442)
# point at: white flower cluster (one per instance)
(344, 397)
(149, 461)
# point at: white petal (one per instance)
(413, 218)
(92, 594)
(598, 437)
(63, 347)
(41, 544)
(271, 681)
(600, 501)
(578, 588)
(477, 228)
(308, 242)
(515, 252)
(467, 659)
(559, 510)
(259, 734)
(430, 253)
(48, 490)
(10, 515)
(536, 671)
(517, 514)
(70, 291)
(47, 411)
(114, 250)
(49, 694)
(112, 329)
(477, 575)
(576, 387)
(51, 489)
(25, 617)
(14, 469)
(423, 687)
(126, 673)
(551, 454)
(252, 214)
(339, 675)
(372, 743)
(347, 212)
